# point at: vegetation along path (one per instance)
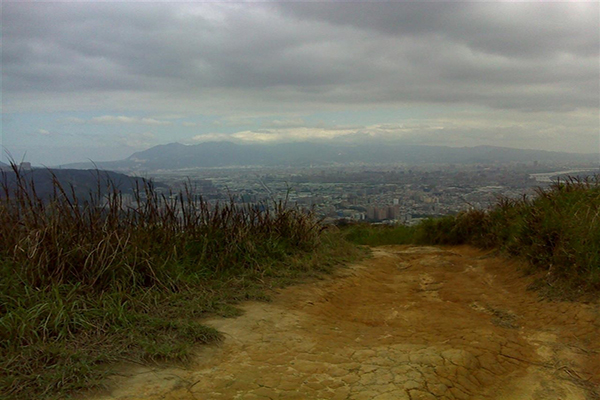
(408, 323)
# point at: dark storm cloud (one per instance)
(168, 49)
(523, 29)
(507, 55)
(70, 47)
(523, 56)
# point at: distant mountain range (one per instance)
(177, 156)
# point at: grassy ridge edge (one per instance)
(85, 283)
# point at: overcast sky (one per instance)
(100, 80)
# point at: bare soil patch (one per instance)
(409, 323)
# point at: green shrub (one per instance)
(378, 235)
(438, 231)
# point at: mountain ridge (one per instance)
(77, 182)
(173, 156)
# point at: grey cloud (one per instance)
(65, 47)
(69, 47)
(284, 123)
(238, 121)
(511, 29)
(120, 119)
(522, 56)
(116, 119)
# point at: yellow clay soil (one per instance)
(409, 323)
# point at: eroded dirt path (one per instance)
(410, 323)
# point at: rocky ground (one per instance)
(409, 323)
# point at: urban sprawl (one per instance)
(386, 194)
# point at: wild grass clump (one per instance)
(557, 231)
(86, 282)
(378, 235)
(454, 229)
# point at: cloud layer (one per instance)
(122, 63)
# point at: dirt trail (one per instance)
(409, 323)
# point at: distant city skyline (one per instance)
(100, 80)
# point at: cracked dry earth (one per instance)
(408, 323)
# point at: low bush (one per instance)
(378, 235)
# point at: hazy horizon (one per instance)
(10, 158)
(101, 80)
